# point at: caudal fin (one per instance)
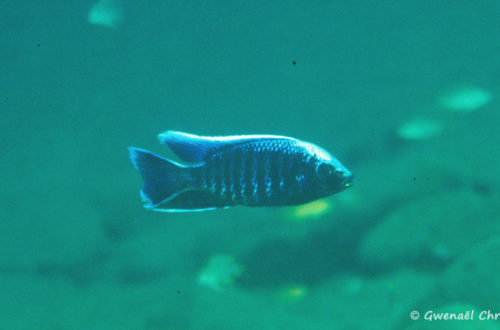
(162, 179)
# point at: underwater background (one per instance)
(404, 93)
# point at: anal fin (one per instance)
(192, 201)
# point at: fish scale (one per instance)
(260, 177)
(263, 158)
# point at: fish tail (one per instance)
(162, 179)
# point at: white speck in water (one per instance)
(220, 272)
(465, 99)
(419, 129)
(108, 13)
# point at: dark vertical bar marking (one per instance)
(281, 172)
(235, 174)
(211, 175)
(241, 175)
(228, 175)
(274, 173)
(268, 178)
(254, 178)
(249, 176)
(219, 174)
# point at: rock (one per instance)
(473, 278)
(430, 231)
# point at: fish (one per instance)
(225, 171)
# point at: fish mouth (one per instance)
(348, 180)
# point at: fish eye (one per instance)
(325, 170)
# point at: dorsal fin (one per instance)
(194, 148)
(189, 147)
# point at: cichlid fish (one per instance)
(251, 170)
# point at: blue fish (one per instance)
(251, 170)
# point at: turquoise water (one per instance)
(405, 94)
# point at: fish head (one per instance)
(333, 176)
(330, 175)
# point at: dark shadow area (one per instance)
(79, 272)
(99, 267)
(117, 224)
(323, 254)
